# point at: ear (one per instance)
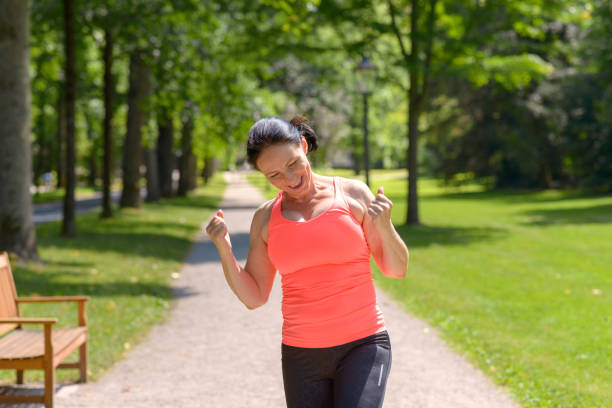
(304, 145)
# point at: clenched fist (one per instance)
(380, 209)
(217, 229)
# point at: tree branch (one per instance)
(397, 32)
(431, 17)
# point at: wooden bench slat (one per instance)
(5, 328)
(8, 294)
(21, 344)
(16, 399)
(8, 308)
(70, 339)
(11, 341)
(70, 346)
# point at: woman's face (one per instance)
(285, 166)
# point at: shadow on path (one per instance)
(206, 251)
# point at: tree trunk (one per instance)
(40, 154)
(17, 232)
(92, 174)
(60, 153)
(412, 211)
(68, 223)
(211, 164)
(412, 215)
(355, 155)
(39, 165)
(164, 153)
(107, 170)
(132, 149)
(187, 161)
(192, 171)
(417, 94)
(150, 156)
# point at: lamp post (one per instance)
(365, 72)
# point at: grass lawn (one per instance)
(58, 195)
(519, 282)
(126, 264)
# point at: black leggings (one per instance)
(352, 375)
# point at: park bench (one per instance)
(45, 349)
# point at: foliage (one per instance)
(229, 63)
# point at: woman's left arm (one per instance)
(387, 247)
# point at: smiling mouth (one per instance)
(298, 185)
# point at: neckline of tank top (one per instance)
(332, 206)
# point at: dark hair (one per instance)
(270, 131)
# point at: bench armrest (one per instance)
(82, 314)
(40, 299)
(28, 320)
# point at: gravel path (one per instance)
(213, 352)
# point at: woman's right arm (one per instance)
(253, 283)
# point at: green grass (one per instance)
(258, 180)
(58, 195)
(519, 282)
(124, 263)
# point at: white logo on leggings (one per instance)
(380, 376)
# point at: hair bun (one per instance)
(300, 122)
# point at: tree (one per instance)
(419, 67)
(137, 25)
(150, 159)
(68, 222)
(187, 160)
(596, 155)
(17, 232)
(165, 151)
(109, 90)
(139, 91)
(46, 50)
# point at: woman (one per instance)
(318, 233)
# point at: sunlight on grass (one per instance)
(58, 195)
(126, 264)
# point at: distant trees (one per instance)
(139, 90)
(533, 131)
(109, 92)
(114, 79)
(70, 78)
(513, 93)
(485, 83)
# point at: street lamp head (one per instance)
(366, 64)
(366, 75)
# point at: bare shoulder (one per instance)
(261, 219)
(358, 197)
(357, 190)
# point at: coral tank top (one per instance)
(324, 263)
